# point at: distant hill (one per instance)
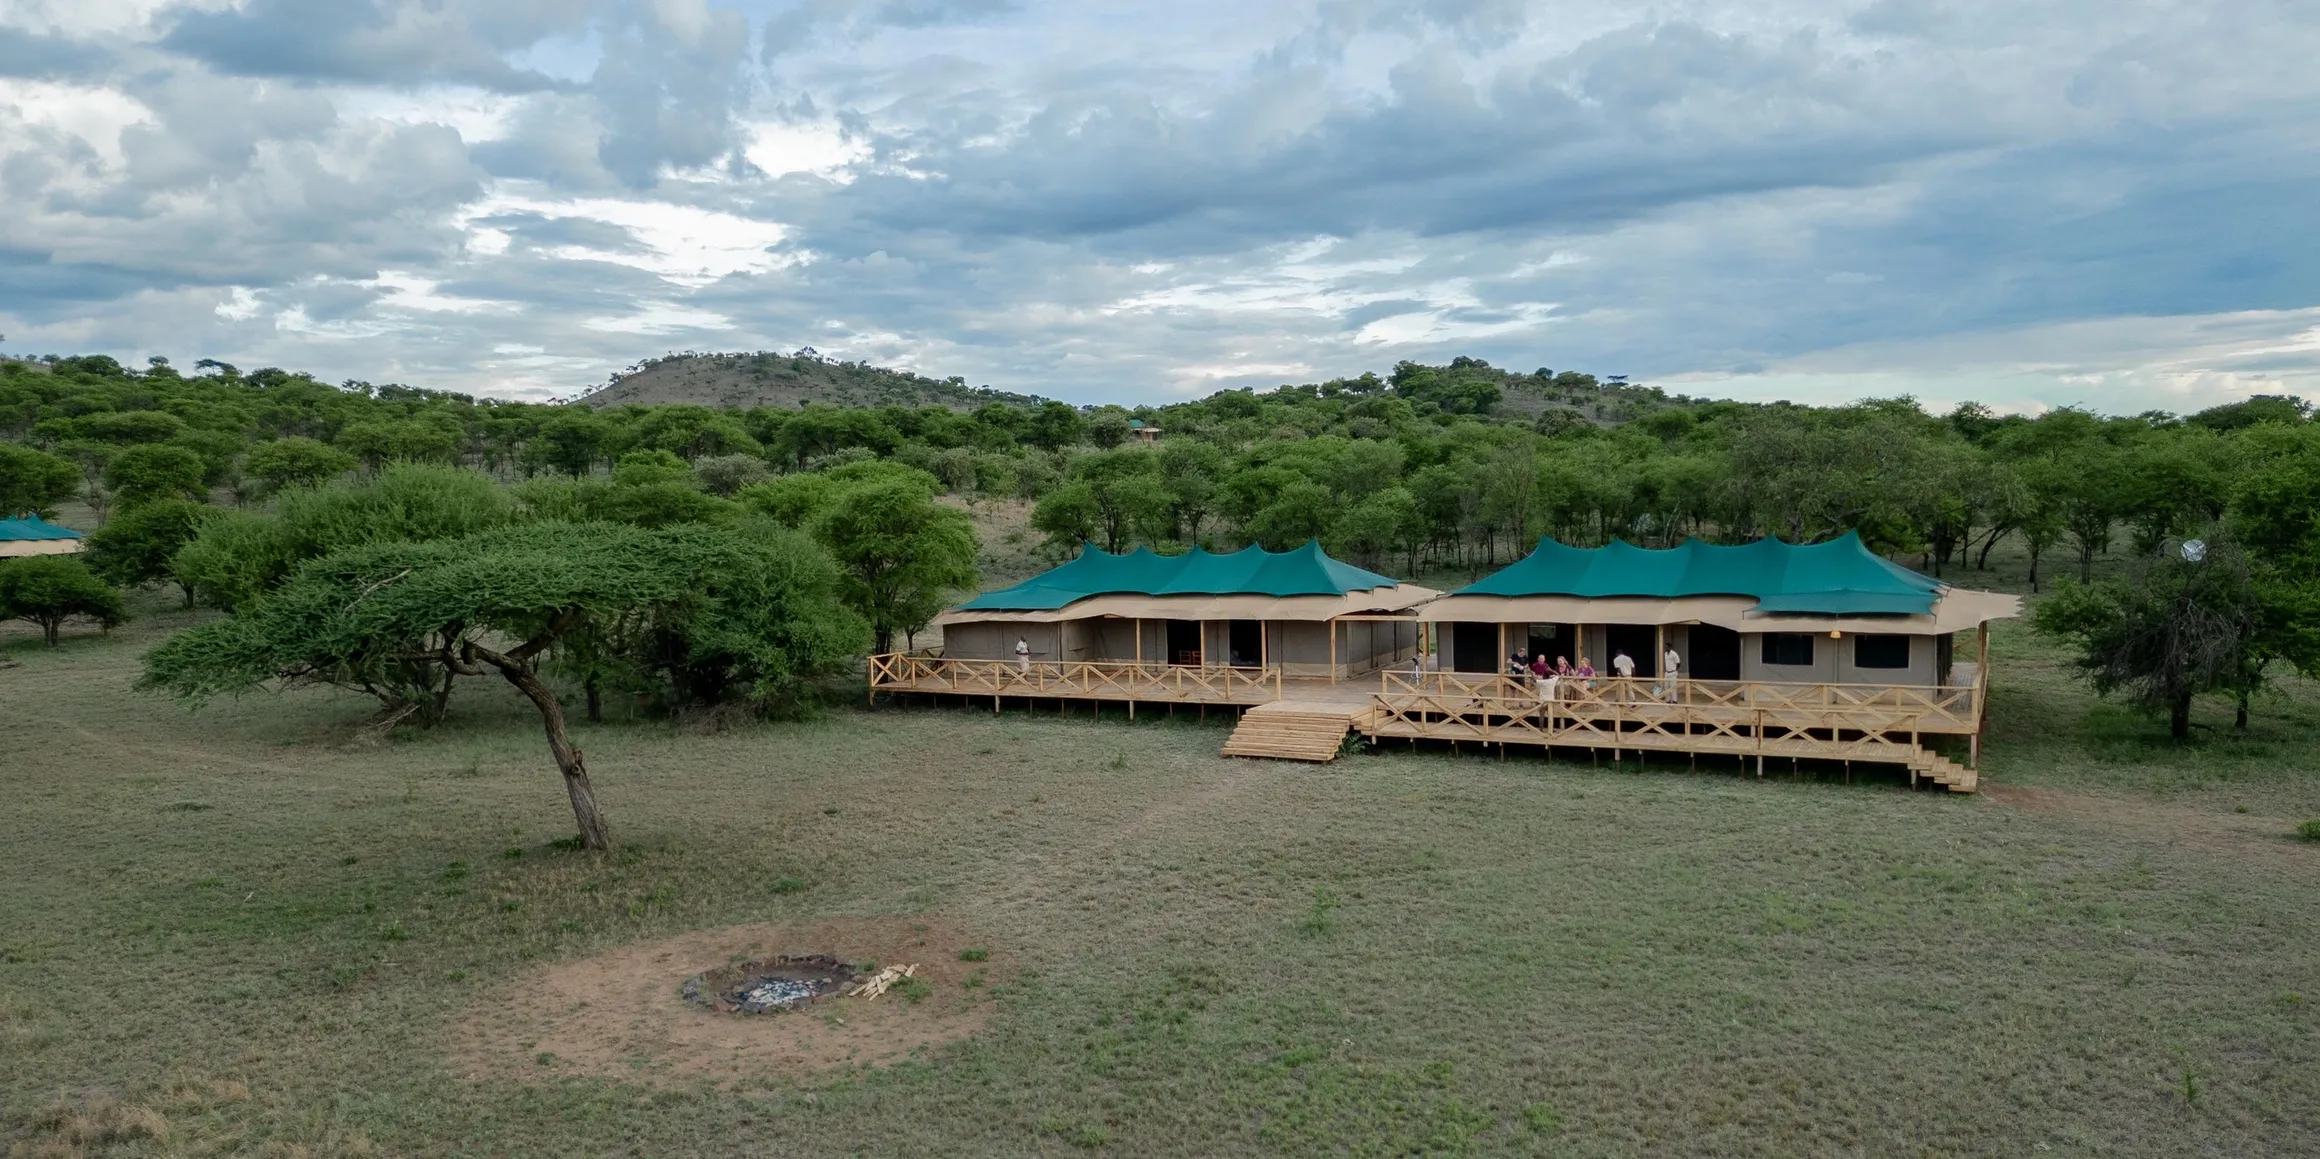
(739, 381)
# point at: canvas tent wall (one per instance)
(1286, 610)
(1824, 613)
(33, 535)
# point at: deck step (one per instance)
(1945, 772)
(1281, 732)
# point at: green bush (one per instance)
(2309, 830)
(49, 589)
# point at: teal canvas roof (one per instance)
(34, 527)
(1839, 577)
(1252, 571)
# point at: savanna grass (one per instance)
(1395, 953)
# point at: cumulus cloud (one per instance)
(518, 195)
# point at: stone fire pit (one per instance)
(770, 985)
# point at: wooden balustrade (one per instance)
(1702, 715)
(1075, 679)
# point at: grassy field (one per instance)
(256, 930)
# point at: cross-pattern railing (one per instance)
(1080, 679)
(1872, 721)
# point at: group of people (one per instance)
(1550, 678)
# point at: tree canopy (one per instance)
(50, 589)
(714, 612)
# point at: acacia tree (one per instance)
(729, 609)
(901, 553)
(137, 547)
(296, 462)
(153, 471)
(49, 589)
(2179, 624)
(33, 482)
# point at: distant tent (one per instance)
(1251, 571)
(33, 535)
(1297, 610)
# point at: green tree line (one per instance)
(222, 483)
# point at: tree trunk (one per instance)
(595, 701)
(593, 834)
(48, 629)
(2179, 718)
(2240, 709)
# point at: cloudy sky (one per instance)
(2114, 203)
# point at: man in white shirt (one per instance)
(1671, 671)
(1623, 664)
(1022, 655)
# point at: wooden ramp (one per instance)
(1290, 731)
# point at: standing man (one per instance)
(1671, 670)
(1022, 656)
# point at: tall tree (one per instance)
(296, 462)
(499, 602)
(137, 547)
(2178, 624)
(155, 471)
(34, 482)
(901, 554)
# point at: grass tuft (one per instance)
(1542, 1119)
(2309, 830)
(974, 954)
(1320, 918)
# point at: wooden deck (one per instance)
(1886, 724)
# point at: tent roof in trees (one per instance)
(1763, 586)
(33, 535)
(1301, 584)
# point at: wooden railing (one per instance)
(1704, 714)
(1096, 679)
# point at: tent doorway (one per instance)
(1715, 653)
(1245, 639)
(1184, 642)
(1474, 648)
(1639, 641)
(1552, 640)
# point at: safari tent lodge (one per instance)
(1240, 627)
(1822, 651)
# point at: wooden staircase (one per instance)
(1290, 732)
(1943, 771)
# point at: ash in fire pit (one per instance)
(770, 985)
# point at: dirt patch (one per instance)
(622, 1014)
(2248, 835)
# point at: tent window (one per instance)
(1880, 651)
(1789, 648)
